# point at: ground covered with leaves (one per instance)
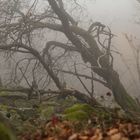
(66, 131)
(83, 122)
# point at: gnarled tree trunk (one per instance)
(108, 74)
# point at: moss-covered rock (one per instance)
(84, 107)
(78, 112)
(77, 116)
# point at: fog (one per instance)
(121, 16)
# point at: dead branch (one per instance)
(84, 76)
(66, 92)
(38, 56)
(81, 80)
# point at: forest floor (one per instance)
(67, 120)
(65, 130)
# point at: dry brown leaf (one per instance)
(94, 138)
(113, 131)
(73, 137)
(83, 138)
(124, 138)
(116, 136)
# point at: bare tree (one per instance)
(93, 45)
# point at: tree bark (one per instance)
(121, 96)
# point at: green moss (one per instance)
(78, 112)
(83, 107)
(46, 113)
(76, 116)
(4, 93)
(5, 133)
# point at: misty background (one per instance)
(122, 16)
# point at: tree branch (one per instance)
(38, 56)
(84, 76)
